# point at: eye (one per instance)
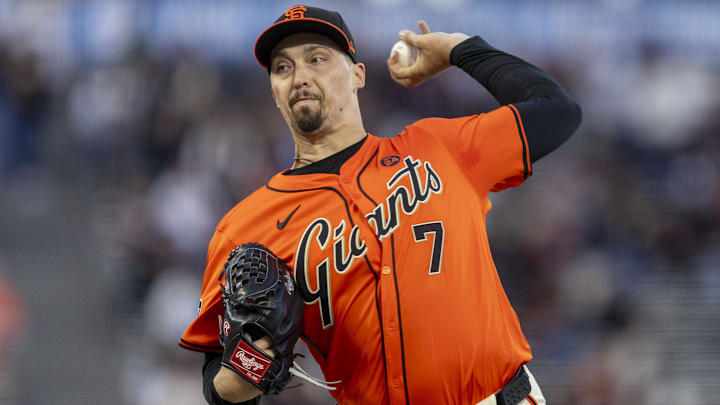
(317, 59)
(281, 67)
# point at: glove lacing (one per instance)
(244, 302)
(298, 371)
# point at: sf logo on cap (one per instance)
(295, 12)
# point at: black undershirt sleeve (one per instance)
(210, 369)
(549, 115)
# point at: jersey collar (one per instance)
(314, 180)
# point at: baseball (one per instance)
(407, 55)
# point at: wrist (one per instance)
(455, 40)
(469, 44)
(232, 388)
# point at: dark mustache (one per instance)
(304, 94)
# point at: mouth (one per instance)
(303, 97)
(302, 100)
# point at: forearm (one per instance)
(222, 386)
(550, 116)
(508, 78)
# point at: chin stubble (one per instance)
(308, 120)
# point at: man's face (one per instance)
(313, 81)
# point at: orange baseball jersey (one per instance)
(403, 303)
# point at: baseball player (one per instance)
(385, 238)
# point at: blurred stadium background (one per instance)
(127, 128)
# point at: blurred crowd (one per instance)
(610, 253)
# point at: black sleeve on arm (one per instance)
(549, 115)
(210, 369)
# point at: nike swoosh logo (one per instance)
(281, 225)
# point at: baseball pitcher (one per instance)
(374, 250)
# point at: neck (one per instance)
(310, 148)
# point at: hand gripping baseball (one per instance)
(260, 302)
(434, 55)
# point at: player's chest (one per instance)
(342, 215)
(333, 233)
(339, 222)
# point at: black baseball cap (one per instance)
(304, 19)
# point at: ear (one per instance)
(358, 76)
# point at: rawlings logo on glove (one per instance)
(251, 364)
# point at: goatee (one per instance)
(307, 120)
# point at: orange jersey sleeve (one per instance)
(491, 148)
(203, 333)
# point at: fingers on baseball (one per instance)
(398, 73)
(410, 38)
(405, 76)
(393, 59)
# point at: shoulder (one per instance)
(426, 131)
(249, 203)
(441, 126)
(427, 125)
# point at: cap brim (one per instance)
(268, 40)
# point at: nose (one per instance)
(301, 78)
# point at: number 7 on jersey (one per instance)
(420, 232)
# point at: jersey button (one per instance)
(386, 270)
(396, 382)
(357, 196)
(346, 180)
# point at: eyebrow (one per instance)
(314, 47)
(283, 54)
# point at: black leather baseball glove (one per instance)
(260, 300)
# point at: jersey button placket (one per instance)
(388, 300)
(391, 326)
